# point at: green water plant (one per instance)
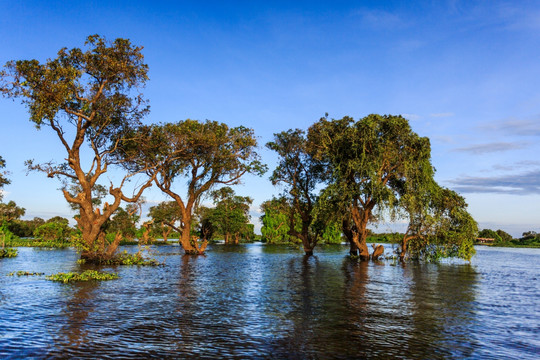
(25, 273)
(8, 253)
(88, 275)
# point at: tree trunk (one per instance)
(359, 239)
(403, 248)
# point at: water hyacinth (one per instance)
(87, 275)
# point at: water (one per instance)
(255, 301)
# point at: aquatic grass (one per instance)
(88, 275)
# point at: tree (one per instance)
(300, 173)
(230, 216)
(90, 100)
(166, 215)
(505, 237)
(3, 179)
(53, 231)
(205, 226)
(377, 166)
(441, 228)
(207, 153)
(490, 234)
(124, 221)
(10, 212)
(275, 220)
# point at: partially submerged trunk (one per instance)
(102, 251)
(189, 243)
(378, 250)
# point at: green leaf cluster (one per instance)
(88, 275)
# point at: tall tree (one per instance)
(89, 98)
(207, 154)
(230, 217)
(374, 164)
(10, 212)
(300, 173)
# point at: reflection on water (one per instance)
(258, 301)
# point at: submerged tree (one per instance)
(89, 98)
(207, 154)
(300, 173)
(439, 225)
(379, 167)
(230, 216)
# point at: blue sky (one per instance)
(465, 73)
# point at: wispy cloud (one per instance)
(515, 127)
(516, 184)
(491, 147)
(411, 116)
(516, 166)
(444, 114)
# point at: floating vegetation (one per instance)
(8, 253)
(125, 258)
(88, 275)
(25, 273)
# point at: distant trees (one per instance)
(89, 99)
(230, 216)
(165, 217)
(275, 220)
(206, 154)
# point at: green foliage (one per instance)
(443, 228)
(54, 232)
(230, 217)
(8, 253)
(25, 273)
(3, 179)
(332, 234)
(88, 275)
(25, 228)
(505, 237)
(300, 173)
(490, 234)
(124, 221)
(10, 212)
(275, 220)
(165, 217)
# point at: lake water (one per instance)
(257, 301)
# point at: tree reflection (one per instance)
(443, 310)
(74, 332)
